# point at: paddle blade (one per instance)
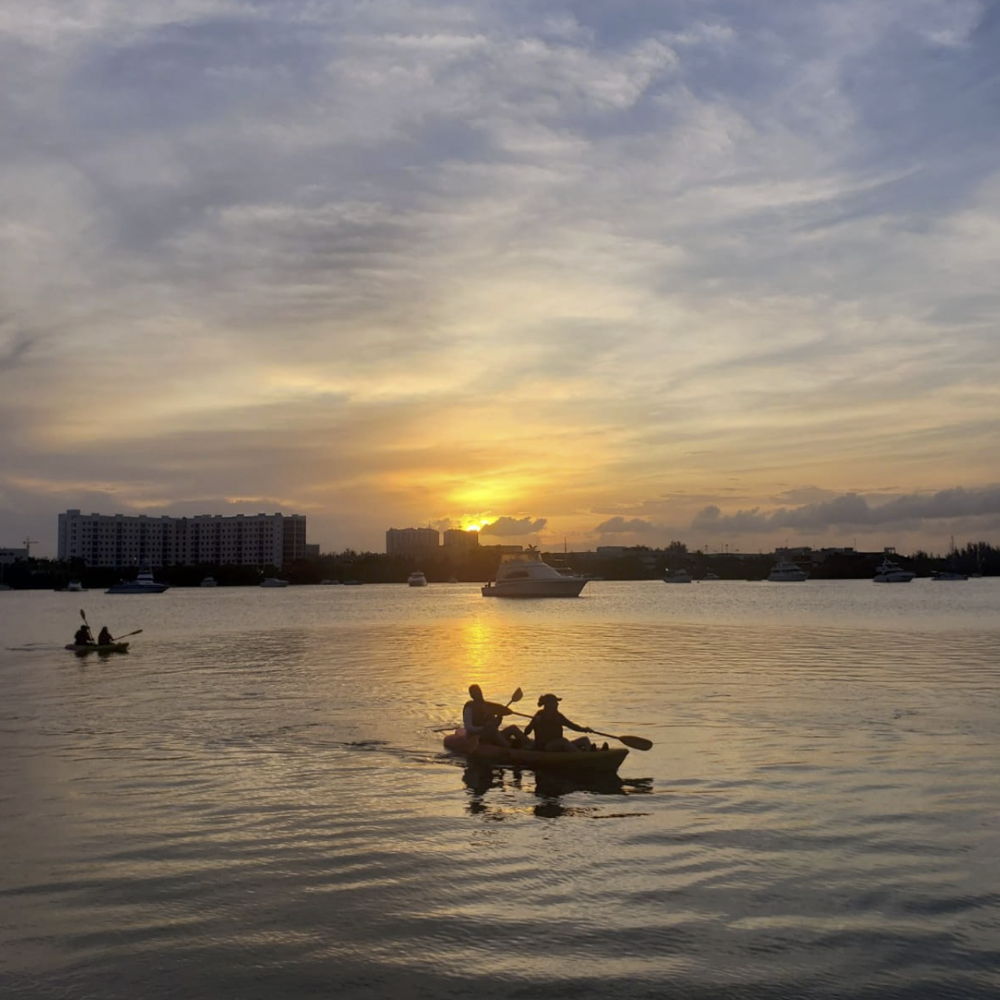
(636, 742)
(82, 615)
(516, 696)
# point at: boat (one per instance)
(75, 586)
(711, 576)
(142, 584)
(417, 579)
(209, 581)
(947, 574)
(784, 571)
(273, 581)
(677, 576)
(580, 762)
(891, 572)
(91, 647)
(524, 574)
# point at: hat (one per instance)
(547, 697)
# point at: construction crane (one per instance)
(27, 543)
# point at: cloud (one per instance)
(619, 525)
(514, 526)
(621, 261)
(853, 511)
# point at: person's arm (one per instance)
(530, 727)
(573, 725)
(468, 719)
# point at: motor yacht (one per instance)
(947, 574)
(891, 572)
(524, 574)
(209, 581)
(273, 581)
(417, 579)
(677, 576)
(142, 584)
(784, 571)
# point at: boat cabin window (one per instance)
(517, 574)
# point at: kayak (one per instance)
(108, 647)
(582, 761)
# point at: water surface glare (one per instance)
(254, 801)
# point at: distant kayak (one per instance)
(583, 761)
(108, 647)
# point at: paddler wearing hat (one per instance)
(547, 725)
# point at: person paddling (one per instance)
(547, 725)
(83, 636)
(482, 718)
(104, 637)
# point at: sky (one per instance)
(577, 273)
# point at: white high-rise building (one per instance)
(126, 540)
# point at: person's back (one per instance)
(83, 636)
(105, 638)
(482, 718)
(547, 727)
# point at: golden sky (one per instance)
(583, 273)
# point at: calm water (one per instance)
(254, 803)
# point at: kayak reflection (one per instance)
(482, 780)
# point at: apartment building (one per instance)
(118, 540)
(411, 541)
(458, 541)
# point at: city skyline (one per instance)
(587, 274)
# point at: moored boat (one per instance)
(785, 571)
(417, 579)
(91, 647)
(677, 576)
(523, 574)
(142, 584)
(891, 572)
(273, 581)
(583, 761)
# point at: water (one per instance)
(254, 803)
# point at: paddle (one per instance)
(635, 742)
(89, 629)
(126, 635)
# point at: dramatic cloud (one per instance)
(514, 526)
(446, 262)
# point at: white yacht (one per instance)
(891, 572)
(142, 584)
(209, 581)
(273, 581)
(784, 571)
(75, 587)
(417, 579)
(947, 574)
(677, 576)
(523, 574)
